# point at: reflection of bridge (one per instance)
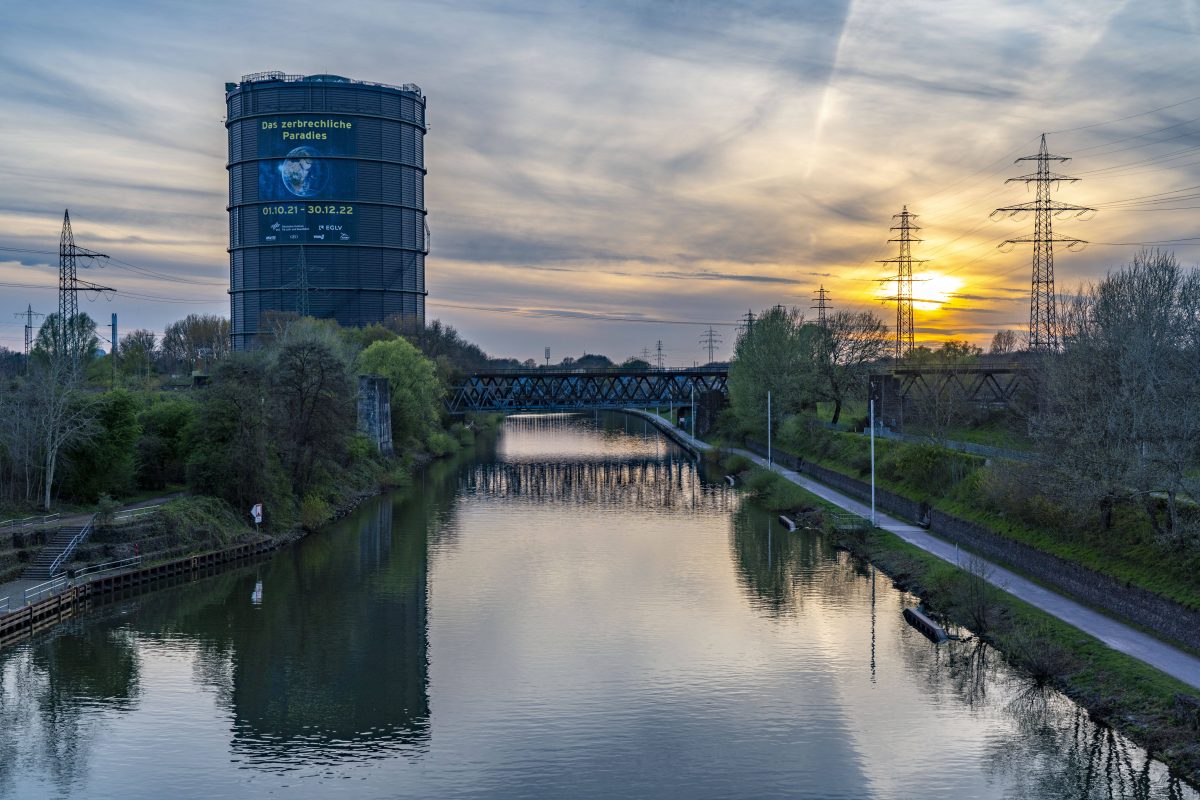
(560, 390)
(629, 482)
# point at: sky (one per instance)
(668, 164)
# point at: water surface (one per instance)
(574, 611)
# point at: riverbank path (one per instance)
(14, 591)
(1120, 637)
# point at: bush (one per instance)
(314, 511)
(442, 444)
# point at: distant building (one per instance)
(326, 201)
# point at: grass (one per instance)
(951, 482)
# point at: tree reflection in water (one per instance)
(49, 691)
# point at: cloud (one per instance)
(699, 157)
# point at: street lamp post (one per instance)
(872, 405)
(770, 461)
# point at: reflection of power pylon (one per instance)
(710, 339)
(69, 287)
(1043, 318)
(904, 279)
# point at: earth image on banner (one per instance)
(302, 172)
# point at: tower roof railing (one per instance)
(259, 77)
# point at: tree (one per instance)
(847, 345)
(593, 361)
(75, 341)
(774, 355)
(63, 414)
(162, 449)
(312, 409)
(195, 339)
(137, 352)
(105, 462)
(230, 457)
(1004, 343)
(1121, 403)
(415, 389)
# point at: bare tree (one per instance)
(1121, 419)
(846, 346)
(195, 338)
(1004, 343)
(137, 352)
(63, 415)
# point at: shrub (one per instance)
(314, 511)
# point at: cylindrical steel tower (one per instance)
(326, 201)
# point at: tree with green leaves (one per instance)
(415, 389)
(776, 354)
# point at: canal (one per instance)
(575, 610)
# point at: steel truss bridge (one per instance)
(564, 390)
(986, 384)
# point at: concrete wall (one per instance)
(375, 411)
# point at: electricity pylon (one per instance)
(1043, 315)
(710, 339)
(904, 279)
(69, 287)
(822, 299)
(28, 314)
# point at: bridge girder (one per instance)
(547, 390)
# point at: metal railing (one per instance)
(45, 589)
(283, 77)
(34, 520)
(57, 584)
(108, 566)
(69, 550)
(4, 605)
(131, 513)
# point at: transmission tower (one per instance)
(747, 322)
(69, 285)
(822, 299)
(905, 228)
(659, 356)
(1043, 317)
(710, 340)
(302, 285)
(646, 354)
(28, 314)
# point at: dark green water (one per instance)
(575, 612)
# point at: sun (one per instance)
(932, 290)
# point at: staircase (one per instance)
(63, 539)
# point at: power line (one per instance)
(1130, 116)
(582, 316)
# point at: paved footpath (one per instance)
(14, 591)
(1117, 635)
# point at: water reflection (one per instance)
(577, 611)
